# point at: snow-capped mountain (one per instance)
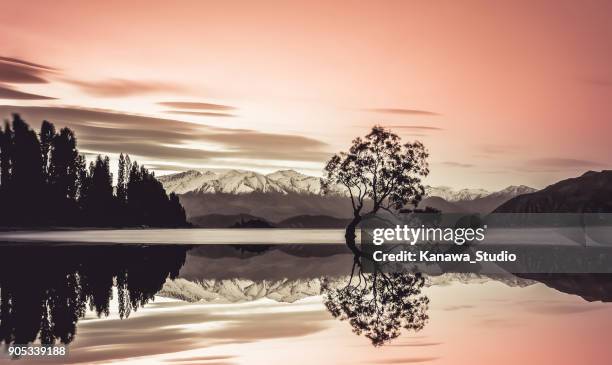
(515, 190)
(289, 291)
(240, 182)
(290, 181)
(452, 195)
(287, 193)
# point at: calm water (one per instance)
(282, 304)
(181, 236)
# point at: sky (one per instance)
(501, 93)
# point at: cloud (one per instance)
(12, 94)
(202, 114)
(457, 307)
(457, 164)
(415, 127)
(401, 111)
(408, 360)
(497, 149)
(168, 140)
(122, 87)
(18, 74)
(26, 63)
(416, 344)
(563, 163)
(13, 70)
(195, 105)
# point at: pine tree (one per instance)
(121, 183)
(47, 135)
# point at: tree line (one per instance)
(45, 181)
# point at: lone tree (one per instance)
(379, 173)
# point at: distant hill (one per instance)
(441, 204)
(220, 220)
(252, 223)
(591, 192)
(313, 221)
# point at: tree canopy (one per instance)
(44, 181)
(378, 173)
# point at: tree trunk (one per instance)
(350, 236)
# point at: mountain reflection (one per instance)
(44, 291)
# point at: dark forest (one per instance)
(45, 181)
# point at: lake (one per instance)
(277, 297)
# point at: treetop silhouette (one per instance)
(44, 181)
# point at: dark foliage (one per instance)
(47, 307)
(379, 305)
(380, 170)
(44, 181)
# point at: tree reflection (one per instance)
(378, 304)
(44, 291)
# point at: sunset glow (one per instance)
(500, 93)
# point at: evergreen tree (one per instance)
(27, 181)
(5, 156)
(47, 135)
(63, 166)
(46, 182)
(121, 180)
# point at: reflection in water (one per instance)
(44, 291)
(379, 305)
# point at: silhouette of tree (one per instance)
(379, 170)
(64, 160)
(27, 181)
(47, 307)
(6, 135)
(47, 182)
(122, 174)
(379, 305)
(47, 135)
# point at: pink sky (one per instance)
(516, 92)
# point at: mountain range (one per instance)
(590, 192)
(287, 198)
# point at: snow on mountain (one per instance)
(290, 181)
(515, 190)
(241, 182)
(451, 195)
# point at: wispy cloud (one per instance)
(457, 164)
(10, 93)
(26, 63)
(408, 360)
(563, 163)
(173, 141)
(200, 114)
(195, 105)
(115, 87)
(415, 127)
(401, 111)
(17, 71)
